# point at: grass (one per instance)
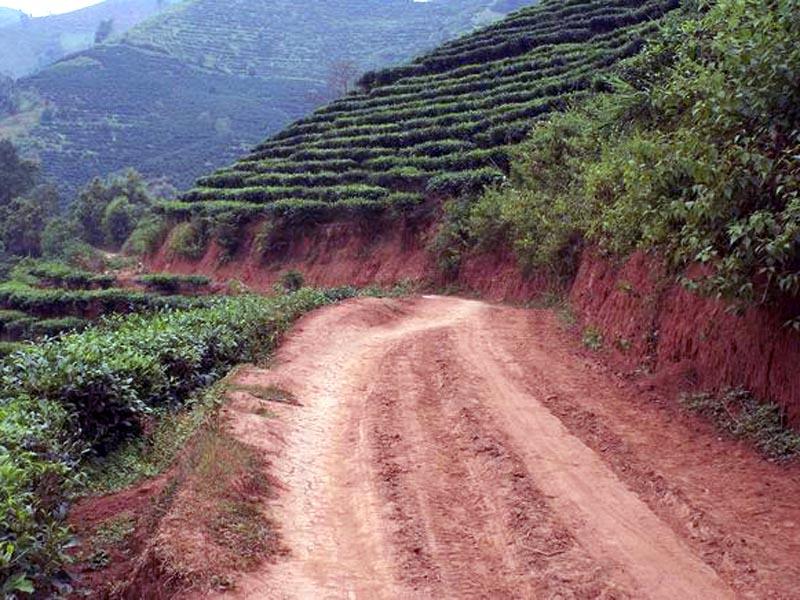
(267, 393)
(740, 415)
(592, 338)
(116, 530)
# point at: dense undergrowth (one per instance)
(696, 153)
(67, 401)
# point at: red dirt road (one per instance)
(447, 448)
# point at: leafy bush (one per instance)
(695, 153)
(170, 283)
(292, 280)
(53, 327)
(57, 275)
(189, 239)
(149, 233)
(92, 390)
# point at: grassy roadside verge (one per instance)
(79, 398)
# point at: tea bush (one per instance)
(84, 393)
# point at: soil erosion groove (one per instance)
(423, 460)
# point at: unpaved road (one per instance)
(447, 448)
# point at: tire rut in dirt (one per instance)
(469, 519)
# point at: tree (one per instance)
(119, 220)
(9, 96)
(17, 176)
(103, 31)
(58, 238)
(339, 81)
(90, 207)
(341, 77)
(24, 219)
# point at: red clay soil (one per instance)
(650, 320)
(328, 255)
(680, 334)
(448, 448)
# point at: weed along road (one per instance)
(448, 448)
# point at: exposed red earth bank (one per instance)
(647, 318)
(444, 447)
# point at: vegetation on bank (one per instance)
(739, 414)
(696, 153)
(68, 400)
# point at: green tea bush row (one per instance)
(171, 283)
(89, 391)
(56, 303)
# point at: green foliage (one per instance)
(170, 283)
(47, 303)
(439, 127)
(91, 391)
(147, 236)
(736, 412)
(24, 218)
(592, 338)
(60, 275)
(111, 106)
(695, 153)
(292, 280)
(17, 176)
(189, 239)
(107, 210)
(54, 327)
(119, 219)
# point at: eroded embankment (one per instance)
(644, 315)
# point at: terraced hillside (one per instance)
(194, 87)
(438, 126)
(28, 44)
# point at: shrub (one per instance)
(54, 327)
(91, 390)
(170, 283)
(189, 239)
(292, 280)
(147, 236)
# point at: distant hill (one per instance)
(10, 16)
(190, 89)
(28, 44)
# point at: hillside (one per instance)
(9, 16)
(438, 126)
(648, 172)
(245, 70)
(30, 43)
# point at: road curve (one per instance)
(448, 448)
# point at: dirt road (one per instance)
(446, 448)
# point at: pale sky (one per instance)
(40, 8)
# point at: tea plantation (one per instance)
(45, 299)
(193, 88)
(438, 126)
